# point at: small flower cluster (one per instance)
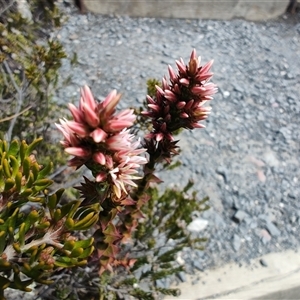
(98, 138)
(179, 103)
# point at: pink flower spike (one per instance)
(90, 116)
(163, 127)
(154, 107)
(117, 125)
(127, 114)
(184, 115)
(77, 128)
(110, 102)
(64, 131)
(76, 113)
(181, 66)
(208, 97)
(170, 96)
(77, 151)
(198, 89)
(99, 157)
(100, 177)
(189, 104)
(98, 135)
(150, 100)
(109, 161)
(197, 125)
(204, 77)
(88, 97)
(207, 66)
(165, 84)
(171, 73)
(180, 104)
(184, 81)
(193, 54)
(159, 90)
(159, 137)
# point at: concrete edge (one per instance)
(255, 10)
(273, 276)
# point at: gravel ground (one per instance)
(247, 158)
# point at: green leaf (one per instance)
(23, 149)
(21, 285)
(17, 247)
(42, 184)
(1, 146)
(69, 223)
(15, 165)
(172, 292)
(36, 199)
(30, 180)
(9, 183)
(4, 146)
(68, 208)
(76, 252)
(33, 217)
(6, 168)
(59, 193)
(32, 146)
(45, 171)
(87, 252)
(13, 148)
(188, 186)
(66, 262)
(18, 181)
(22, 231)
(69, 245)
(11, 221)
(25, 193)
(4, 282)
(52, 201)
(2, 240)
(86, 222)
(43, 225)
(84, 243)
(56, 214)
(35, 170)
(26, 167)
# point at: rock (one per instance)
(236, 242)
(273, 230)
(160, 283)
(226, 94)
(261, 176)
(24, 9)
(263, 262)
(239, 216)
(224, 172)
(198, 265)
(182, 276)
(197, 225)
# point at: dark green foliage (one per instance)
(36, 230)
(30, 60)
(151, 89)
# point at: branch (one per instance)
(9, 5)
(19, 102)
(15, 115)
